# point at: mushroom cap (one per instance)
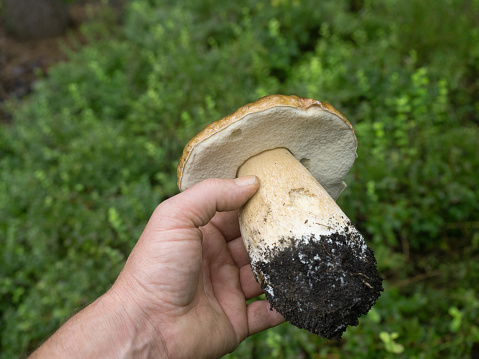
(315, 133)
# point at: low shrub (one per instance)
(93, 150)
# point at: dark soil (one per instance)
(322, 285)
(22, 61)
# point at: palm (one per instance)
(194, 275)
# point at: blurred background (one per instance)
(98, 101)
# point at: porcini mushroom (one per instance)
(313, 265)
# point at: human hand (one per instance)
(189, 274)
(183, 290)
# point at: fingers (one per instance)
(238, 252)
(224, 266)
(249, 285)
(261, 317)
(227, 223)
(197, 205)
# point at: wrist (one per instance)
(136, 335)
(107, 328)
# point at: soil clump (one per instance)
(322, 284)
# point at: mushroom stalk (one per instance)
(313, 265)
(289, 203)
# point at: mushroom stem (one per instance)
(313, 265)
(289, 203)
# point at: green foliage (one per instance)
(93, 150)
(390, 344)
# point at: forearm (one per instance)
(104, 329)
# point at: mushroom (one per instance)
(313, 265)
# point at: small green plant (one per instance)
(456, 321)
(389, 340)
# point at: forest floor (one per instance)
(22, 61)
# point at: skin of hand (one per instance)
(183, 290)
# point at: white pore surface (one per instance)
(321, 141)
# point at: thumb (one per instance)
(198, 204)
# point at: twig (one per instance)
(417, 278)
(405, 248)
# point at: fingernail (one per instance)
(246, 181)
